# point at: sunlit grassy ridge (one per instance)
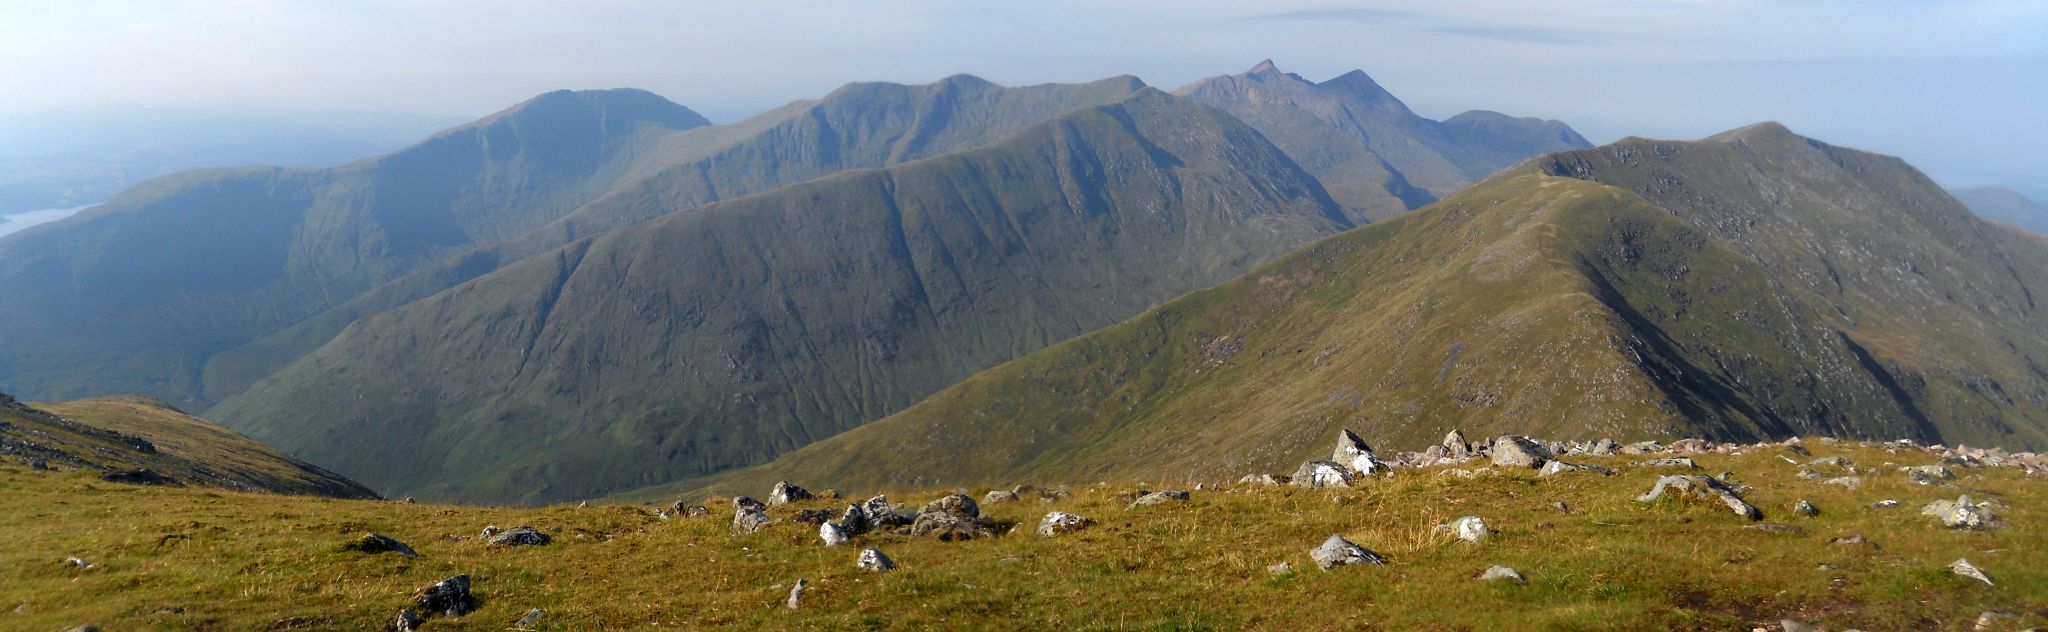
(1609, 562)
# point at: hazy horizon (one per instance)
(1953, 87)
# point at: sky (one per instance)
(1958, 88)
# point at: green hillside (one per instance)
(1755, 284)
(116, 435)
(724, 336)
(1377, 157)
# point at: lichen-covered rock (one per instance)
(785, 493)
(520, 536)
(1059, 522)
(1502, 573)
(1158, 498)
(748, 520)
(874, 561)
(448, 597)
(1700, 486)
(1961, 513)
(1322, 474)
(1337, 551)
(378, 543)
(1514, 451)
(1352, 452)
(1468, 528)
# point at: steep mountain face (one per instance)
(1376, 156)
(1754, 284)
(118, 435)
(724, 336)
(862, 125)
(136, 294)
(2005, 205)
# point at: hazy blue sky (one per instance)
(1959, 88)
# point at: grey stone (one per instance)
(1338, 551)
(1159, 498)
(1805, 509)
(1961, 513)
(1602, 447)
(999, 496)
(832, 534)
(1997, 620)
(1322, 474)
(1885, 504)
(448, 597)
(1832, 461)
(796, 594)
(408, 621)
(379, 543)
(1514, 451)
(1059, 522)
(1502, 573)
(1455, 446)
(1963, 568)
(1282, 568)
(952, 517)
(520, 536)
(1685, 462)
(1262, 479)
(1706, 487)
(855, 520)
(748, 502)
(1847, 482)
(748, 520)
(1468, 528)
(1555, 468)
(874, 561)
(785, 493)
(530, 619)
(1352, 452)
(491, 531)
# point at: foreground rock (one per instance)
(1322, 474)
(377, 543)
(748, 520)
(1059, 522)
(1705, 487)
(833, 535)
(447, 597)
(952, 517)
(786, 493)
(1338, 551)
(1468, 528)
(874, 561)
(1352, 452)
(1159, 498)
(520, 536)
(408, 621)
(1523, 452)
(1502, 573)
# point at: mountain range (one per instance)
(194, 287)
(2005, 205)
(1752, 284)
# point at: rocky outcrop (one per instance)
(1522, 452)
(1059, 522)
(1337, 551)
(1701, 486)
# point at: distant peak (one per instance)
(1264, 68)
(1767, 130)
(964, 80)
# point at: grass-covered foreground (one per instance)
(258, 562)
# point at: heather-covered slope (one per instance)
(1376, 156)
(724, 336)
(136, 294)
(118, 435)
(1754, 284)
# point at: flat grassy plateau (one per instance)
(261, 562)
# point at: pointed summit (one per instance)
(1264, 69)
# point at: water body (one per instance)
(14, 223)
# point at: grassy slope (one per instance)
(185, 448)
(722, 337)
(1529, 303)
(1609, 564)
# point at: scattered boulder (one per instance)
(1832, 461)
(1642, 447)
(874, 561)
(77, 562)
(832, 534)
(1961, 513)
(999, 496)
(1322, 474)
(1158, 498)
(1684, 462)
(1514, 451)
(1847, 482)
(1262, 479)
(1963, 568)
(951, 517)
(530, 619)
(448, 597)
(748, 502)
(143, 476)
(1059, 522)
(375, 543)
(748, 520)
(1796, 449)
(1455, 446)
(520, 536)
(1850, 539)
(1885, 504)
(1601, 447)
(1352, 452)
(408, 621)
(490, 531)
(1770, 527)
(1805, 509)
(796, 594)
(786, 493)
(1997, 620)
(1468, 528)
(1700, 486)
(1282, 568)
(1502, 573)
(1554, 468)
(855, 520)
(1929, 475)
(814, 516)
(1338, 551)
